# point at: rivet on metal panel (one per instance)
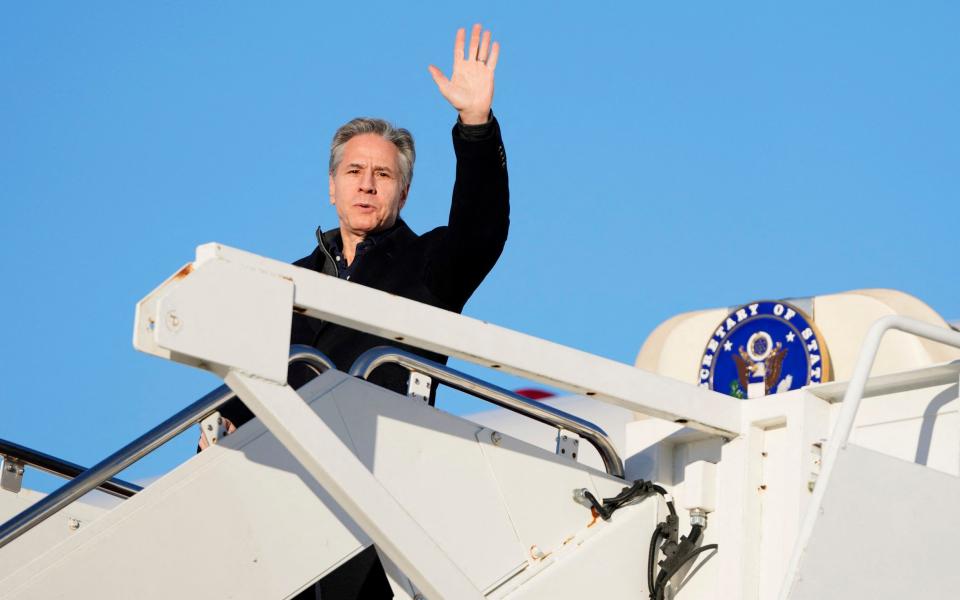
(536, 553)
(496, 438)
(73, 524)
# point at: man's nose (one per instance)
(368, 183)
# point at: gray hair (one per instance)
(399, 137)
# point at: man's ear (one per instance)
(333, 199)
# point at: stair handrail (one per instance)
(539, 411)
(96, 475)
(840, 436)
(61, 468)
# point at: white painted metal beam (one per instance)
(353, 487)
(476, 341)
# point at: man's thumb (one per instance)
(438, 77)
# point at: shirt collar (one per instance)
(334, 241)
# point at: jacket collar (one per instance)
(397, 233)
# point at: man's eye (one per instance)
(353, 171)
(383, 174)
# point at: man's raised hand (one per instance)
(470, 88)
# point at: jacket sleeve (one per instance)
(476, 232)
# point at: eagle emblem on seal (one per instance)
(761, 364)
(764, 348)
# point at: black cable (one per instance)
(595, 505)
(672, 565)
(660, 586)
(677, 552)
(664, 576)
(675, 555)
(696, 553)
(652, 555)
(669, 531)
(658, 594)
(638, 489)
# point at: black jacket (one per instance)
(442, 267)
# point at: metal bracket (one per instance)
(418, 386)
(816, 460)
(567, 444)
(213, 428)
(11, 478)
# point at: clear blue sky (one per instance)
(663, 158)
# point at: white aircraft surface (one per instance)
(797, 449)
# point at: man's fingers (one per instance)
(458, 45)
(440, 79)
(484, 47)
(474, 42)
(494, 55)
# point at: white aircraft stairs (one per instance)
(839, 490)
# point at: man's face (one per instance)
(366, 188)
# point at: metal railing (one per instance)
(868, 353)
(544, 413)
(137, 449)
(61, 468)
(840, 436)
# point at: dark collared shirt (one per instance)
(345, 271)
